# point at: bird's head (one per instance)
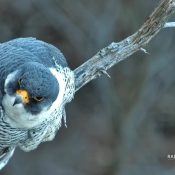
(31, 93)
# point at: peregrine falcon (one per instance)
(35, 85)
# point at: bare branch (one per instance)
(116, 52)
(169, 24)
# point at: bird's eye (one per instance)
(38, 98)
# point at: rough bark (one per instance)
(116, 52)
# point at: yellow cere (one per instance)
(24, 94)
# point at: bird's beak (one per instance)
(18, 100)
(22, 97)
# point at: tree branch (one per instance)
(116, 52)
(169, 24)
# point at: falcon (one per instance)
(35, 85)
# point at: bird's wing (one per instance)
(42, 50)
(5, 156)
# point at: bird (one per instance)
(35, 85)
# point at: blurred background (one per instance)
(119, 126)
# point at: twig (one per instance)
(144, 50)
(116, 52)
(169, 24)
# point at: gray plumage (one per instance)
(13, 55)
(16, 52)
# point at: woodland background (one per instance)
(119, 126)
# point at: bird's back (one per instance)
(42, 50)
